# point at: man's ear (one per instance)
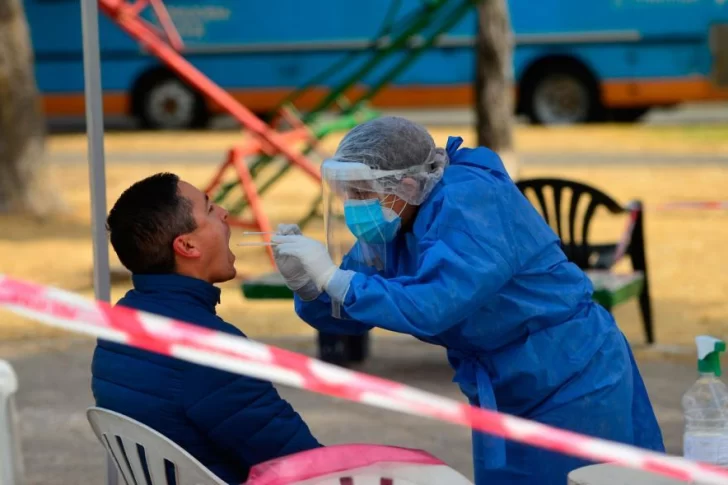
(185, 247)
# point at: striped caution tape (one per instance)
(231, 353)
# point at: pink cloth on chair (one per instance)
(332, 459)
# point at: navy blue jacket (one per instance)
(227, 421)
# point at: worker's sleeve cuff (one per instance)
(338, 285)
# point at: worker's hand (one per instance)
(312, 255)
(289, 230)
(292, 269)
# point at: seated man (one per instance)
(175, 242)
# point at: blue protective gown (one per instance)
(484, 276)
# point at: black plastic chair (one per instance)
(575, 241)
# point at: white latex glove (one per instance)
(289, 230)
(317, 263)
(292, 270)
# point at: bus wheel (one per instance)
(562, 95)
(163, 102)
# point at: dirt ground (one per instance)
(691, 139)
(686, 249)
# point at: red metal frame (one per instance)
(165, 45)
(236, 161)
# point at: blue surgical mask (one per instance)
(368, 221)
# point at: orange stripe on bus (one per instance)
(664, 91)
(391, 97)
(75, 104)
(622, 93)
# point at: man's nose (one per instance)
(223, 213)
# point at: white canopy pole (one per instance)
(97, 174)
(95, 134)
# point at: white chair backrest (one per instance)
(335, 465)
(127, 440)
(11, 461)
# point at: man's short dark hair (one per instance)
(144, 222)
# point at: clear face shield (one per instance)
(358, 216)
(362, 208)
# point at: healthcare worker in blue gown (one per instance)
(440, 244)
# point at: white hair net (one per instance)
(395, 148)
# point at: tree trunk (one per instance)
(23, 182)
(494, 106)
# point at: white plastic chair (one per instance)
(111, 428)
(356, 464)
(11, 461)
(352, 464)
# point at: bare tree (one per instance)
(494, 106)
(23, 183)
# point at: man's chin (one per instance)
(225, 275)
(229, 275)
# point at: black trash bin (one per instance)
(343, 349)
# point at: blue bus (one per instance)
(574, 60)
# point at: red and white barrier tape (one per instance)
(236, 354)
(694, 205)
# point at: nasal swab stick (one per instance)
(257, 244)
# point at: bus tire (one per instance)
(161, 101)
(561, 92)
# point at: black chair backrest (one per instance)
(574, 230)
